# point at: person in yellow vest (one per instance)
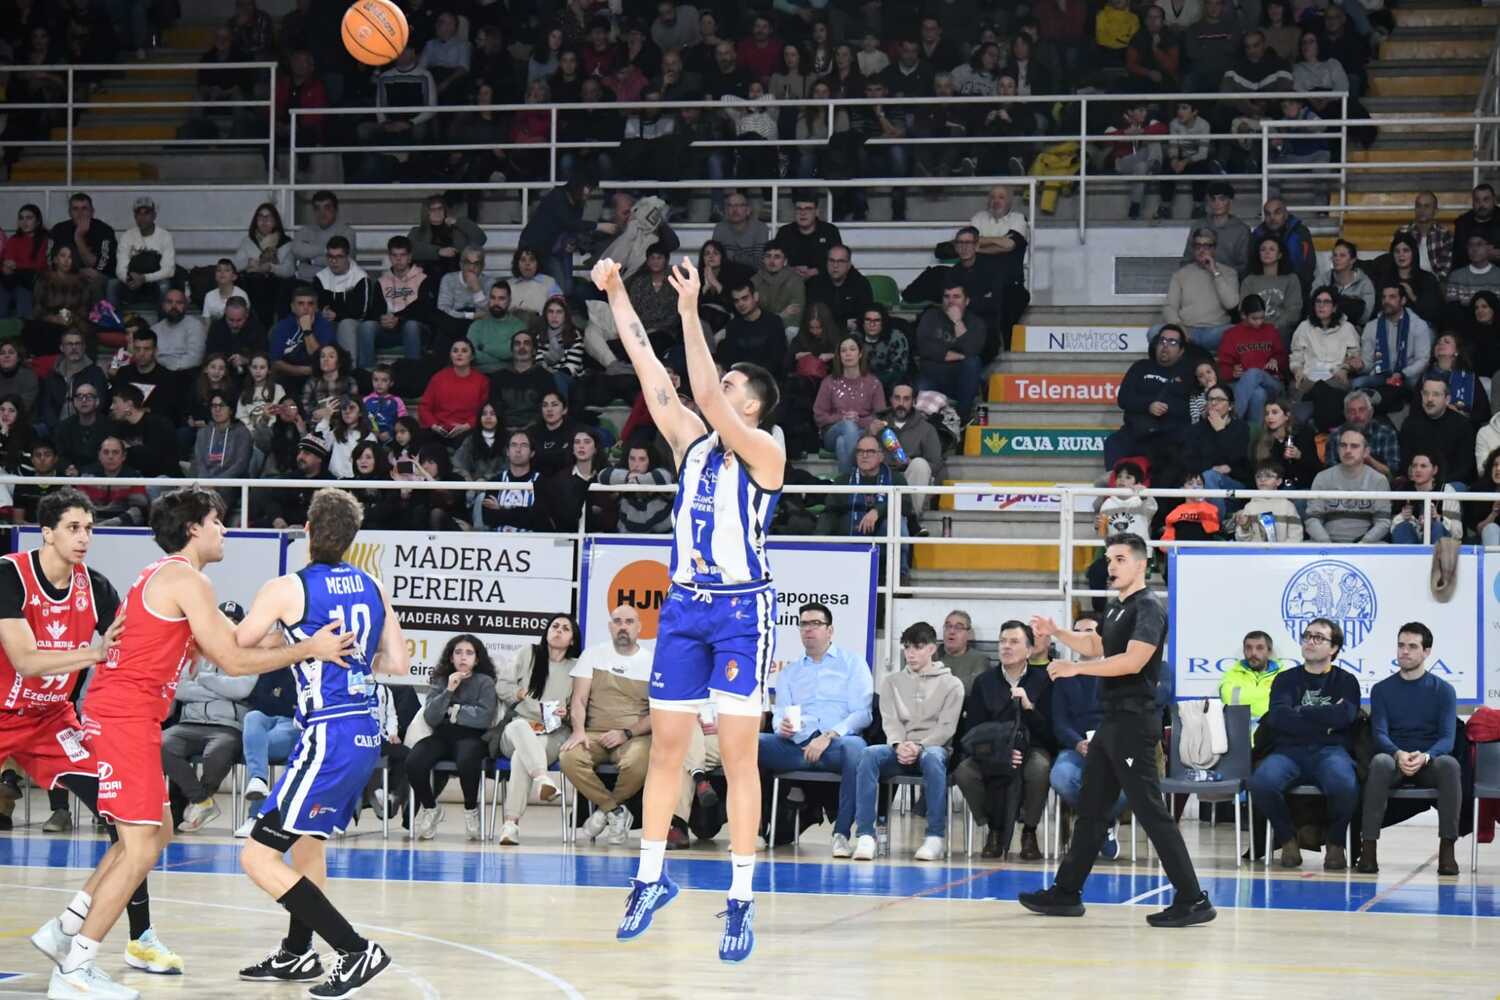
(1248, 682)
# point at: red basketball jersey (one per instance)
(65, 624)
(140, 677)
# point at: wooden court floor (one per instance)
(464, 920)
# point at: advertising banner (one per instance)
(1070, 339)
(1491, 636)
(1082, 390)
(499, 586)
(634, 571)
(993, 442)
(1369, 590)
(1016, 497)
(250, 558)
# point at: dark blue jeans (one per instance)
(779, 755)
(1330, 768)
(880, 762)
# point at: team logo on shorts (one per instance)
(731, 670)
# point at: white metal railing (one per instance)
(1082, 137)
(1063, 588)
(71, 141)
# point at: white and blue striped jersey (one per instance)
(720, 518)
(351, 598)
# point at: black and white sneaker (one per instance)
(351, 971)
(281, 966)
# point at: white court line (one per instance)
(1147, 894)
(562, 985)
(429, 991)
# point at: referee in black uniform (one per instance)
(1122, 754)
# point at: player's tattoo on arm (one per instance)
(662, 397)
(640, 334)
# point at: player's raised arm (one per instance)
(394, 655)
(756, 448)
(216, 637)
(680, 426)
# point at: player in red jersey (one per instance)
(172, 613)
(52, 607)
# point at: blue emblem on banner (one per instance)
(1330, 589)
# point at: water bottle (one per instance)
(892, 444)
(1268, 525)
(882, 841)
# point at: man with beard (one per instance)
(237, 335)
(74, 371)
(490, 333)
(180, 337)
(1154, 397)
(517, 391)
(922, 449)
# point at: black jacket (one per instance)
(151, 446)
(1449, 441)
(989, 700)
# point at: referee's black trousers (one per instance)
(1122, 757)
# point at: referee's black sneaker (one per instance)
(1052, 902)
(1184, 913)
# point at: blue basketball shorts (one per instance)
(714, 645)
(320, 790)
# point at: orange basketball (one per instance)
(375, 31)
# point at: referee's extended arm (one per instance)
(1137, 654)
(1083, 643)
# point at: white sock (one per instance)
(82, 953)
(77, 911)
(653, 856)
(744, 870)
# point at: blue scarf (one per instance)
(1461, 386)
(862, 503)
(1383, 359)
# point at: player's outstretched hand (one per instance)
(111, 637)
(1044, 628)
(684, 278)
(331, 645)
(606, 275)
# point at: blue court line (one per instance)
(1252, 890)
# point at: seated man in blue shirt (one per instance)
(823, 702)
(1311, 722)
(295, 340)
(1076, 712)
(1412, 714)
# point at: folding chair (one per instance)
(1486, 786)
(899, 780)
(827, 777)
(501, 774)
(1310, 791)
(446, 767)
(1233, 768)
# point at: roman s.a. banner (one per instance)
(1218, 595)
(500, 587)
(634, 571)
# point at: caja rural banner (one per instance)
(1370, 590)
(499, 586)
(634, 571)
(250, 558)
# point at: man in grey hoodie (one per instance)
(919, 711)
(213, 708)
(1352, 518)
(310, 241)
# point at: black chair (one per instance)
(1233, 768)
(1486, 786)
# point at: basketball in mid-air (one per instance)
(375, 31)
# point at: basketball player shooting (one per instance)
(716, 634)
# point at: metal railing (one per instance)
(71, 141)
(897, 582)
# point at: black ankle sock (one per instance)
(139, 912)
(307, 904)
(298, 940)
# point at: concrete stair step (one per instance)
(53, 170)
(163, 92)
(1406, 195)
(1395, 106)
(1413, 154)
(198, 37)
(1402, 181)
(1017, 580)
(1424, 137)
(1426, 85)
(1057, 387)
(1019, 362)
(1040, 558)
(1091, 315)
(1428, 67)
(142, 131)
(1450, 44)
(1408, 16)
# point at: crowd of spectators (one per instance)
(1372, 375)
(290, 360)
(752, 60)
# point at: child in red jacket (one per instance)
(1253, 359)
